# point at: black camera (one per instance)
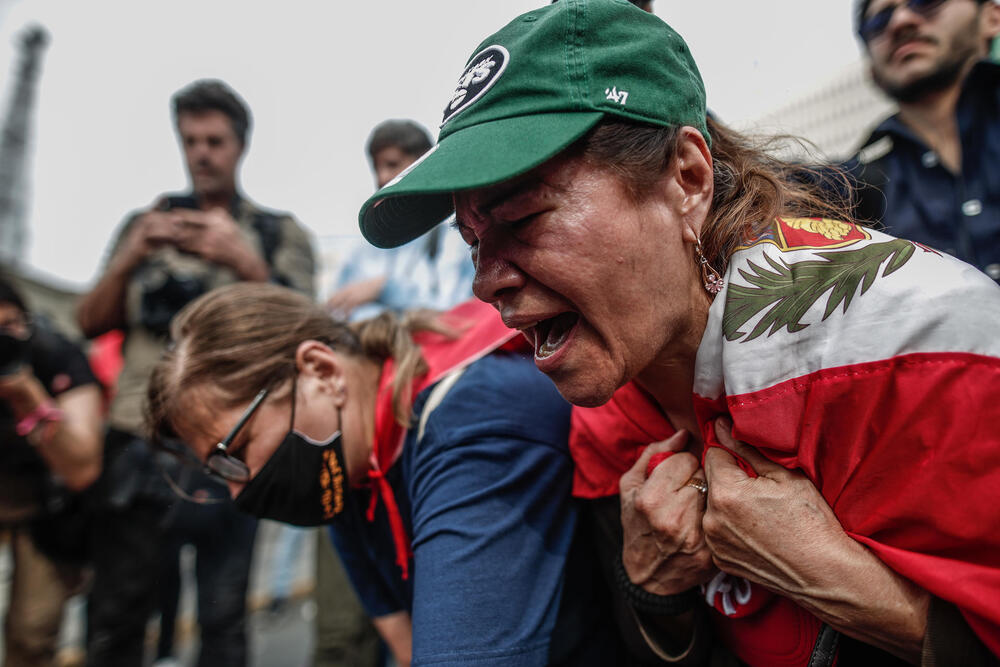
(162, 299)
(14, 352)
(161, 302)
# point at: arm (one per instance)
(492, 521)
(778, 531)
(397, 631)
(103, 308)
(664, 546)
(664, 549)
(71, 447)
(294, 262)
(355, 294)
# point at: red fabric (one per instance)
(481, 331)
(606, 441)
(782, 635)
(906, 451)
(106, 361)
(655, 460)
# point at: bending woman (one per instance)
(631, 239)
(439, 460)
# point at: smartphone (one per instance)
(177, 201)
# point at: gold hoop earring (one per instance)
(710, 278)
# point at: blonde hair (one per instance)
(242, 338)
(751, 186)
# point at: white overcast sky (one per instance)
(317, 76)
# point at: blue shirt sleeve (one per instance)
(492, 520)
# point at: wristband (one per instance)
(46, 411)
(651, 603)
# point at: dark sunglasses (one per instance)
(220, 462)
(875, 25)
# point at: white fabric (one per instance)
(933, 303)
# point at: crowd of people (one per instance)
(610, 386)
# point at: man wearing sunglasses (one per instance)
(930, 168)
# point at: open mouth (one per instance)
(552, 334)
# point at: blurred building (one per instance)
(835, 116)
(46, 295)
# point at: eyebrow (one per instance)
(498, 199)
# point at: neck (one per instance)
(670, 378)
(358, 429)
(933, 120)
(671, 386)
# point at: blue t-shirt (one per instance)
(485, 496)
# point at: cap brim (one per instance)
(474, 157)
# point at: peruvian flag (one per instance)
(873, 365)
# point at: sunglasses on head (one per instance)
(874, 25)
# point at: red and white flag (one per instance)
(873, 365)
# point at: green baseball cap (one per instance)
(530, 91)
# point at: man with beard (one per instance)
(928, 173)
(164, 256)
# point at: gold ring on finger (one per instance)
(697, 484)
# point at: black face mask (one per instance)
(303, 483)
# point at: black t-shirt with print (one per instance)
(60, 366)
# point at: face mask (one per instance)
(303, 483)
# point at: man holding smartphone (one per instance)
(163, 257)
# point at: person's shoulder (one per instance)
(502, 394)
(256, 209)
(817, 294)
(812, 278)
(508, 376)
(880, 143)
(822, 249)
(275, 227)
(58, 361)
(984, 77)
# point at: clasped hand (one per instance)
(768, 529)
(212, 235)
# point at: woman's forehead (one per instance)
(200, 413)
(552, 177)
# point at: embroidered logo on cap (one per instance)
(483, 71)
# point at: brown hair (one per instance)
(752, 186)
(214, 95)
(242, 338)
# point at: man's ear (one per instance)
(317, 362)
(694, 174)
